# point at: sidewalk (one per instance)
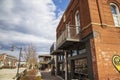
(8, 74)
(47, 76)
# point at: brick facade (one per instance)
(99, 35)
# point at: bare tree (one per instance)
(30, 54)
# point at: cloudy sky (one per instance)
(29, 21)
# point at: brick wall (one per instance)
(106, 39)
(96, 18)
(107, 44)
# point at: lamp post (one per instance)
(12, 49)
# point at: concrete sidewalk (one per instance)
(8, 74)
(47, 76)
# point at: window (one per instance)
(62, 57)
(116, 14)
(80, 69)
(68, 27)
(77, 22)
(82, 51)
(74, 52)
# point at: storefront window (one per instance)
(81, 68)
(82, 51)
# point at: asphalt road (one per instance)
(8, 74)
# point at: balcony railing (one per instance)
(69, 34)
(53, 47)
(54, 51)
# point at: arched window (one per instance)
(77, 21)
(116, 14)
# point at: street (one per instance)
(8, 74)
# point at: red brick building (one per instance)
(89, 34)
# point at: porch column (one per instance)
(66, 68)
(56, 64)
(92, 69)
(72, 69)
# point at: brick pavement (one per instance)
(47, 76)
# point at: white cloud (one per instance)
(12, 36)
(13, 53)
(25, 21)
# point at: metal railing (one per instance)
(53, 47)
(69, 34)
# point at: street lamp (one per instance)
(12, 49)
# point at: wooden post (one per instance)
(66, 68)
(56, 64)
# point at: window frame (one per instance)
(77, 21)
(68, 29)
(117, 15)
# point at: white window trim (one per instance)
(118, 14)
(68, 27)
(77, 23)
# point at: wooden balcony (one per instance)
(68, 39)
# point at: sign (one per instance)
(116, 62)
